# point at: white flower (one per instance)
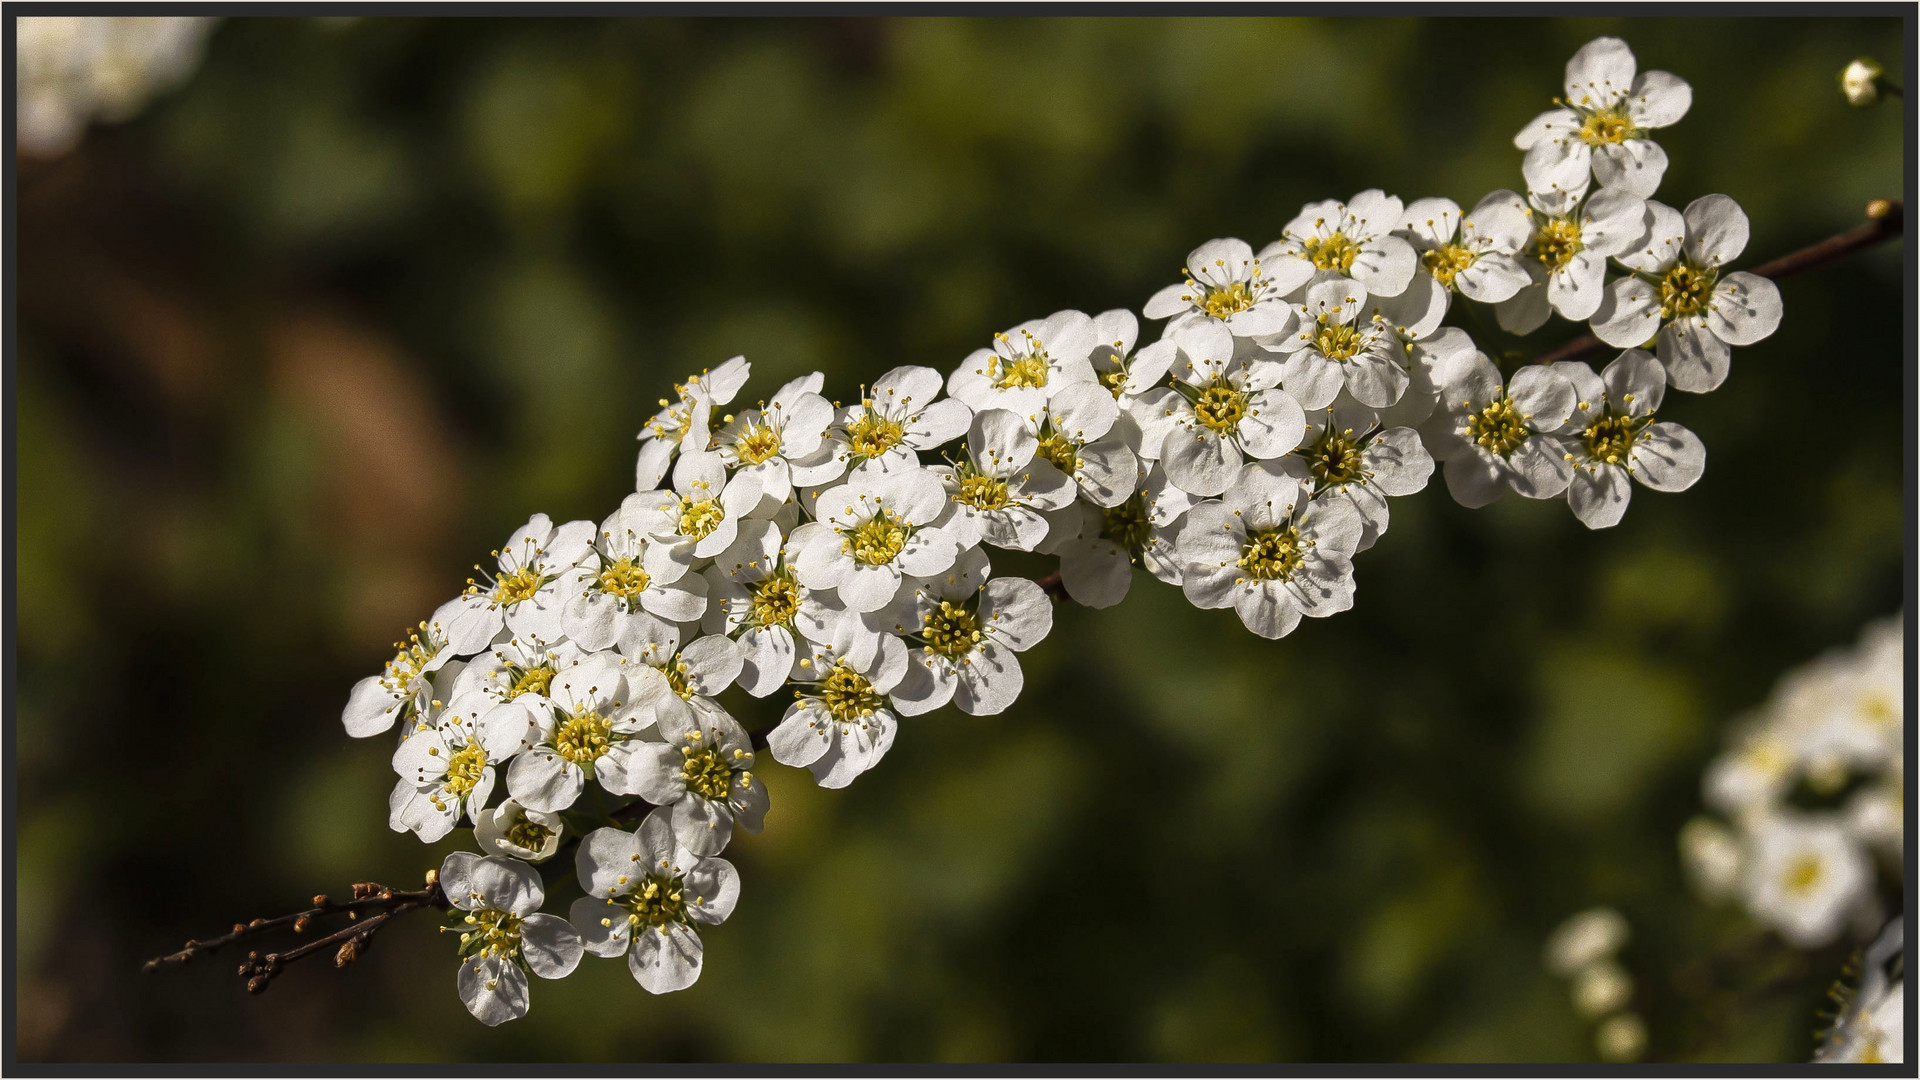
(964, 631)
(1000, 490)
(1222, 409)
(1860, 81)
(1125, 373)
(1340, 344)
(1612, 437)
(446, 768)
(599, 710)
(1489, 433)
(1758, 766)
(841, 724)
(1603, 124)
(1712, 856)
(703, 774)
(695, 675)
(1354, 239)
(1027, 364)
(516, 674)
(504, 935)
(1567, 256)
(527, 595)
(517, 832)
(755, 595)
(783, 443)
(1348, 456)
(1871, 1026)
(404, 689)
(1080, 432)
(1678, 290)
(1475, 255)
(900, 413)
(873, 529)
(1227, 284)
(698, 519)
(1805, 877)
(1269, 553)
(686, 413)
(1098, 548)
(645, 891)
(620, 591)
(73, 69)
(1585, 939)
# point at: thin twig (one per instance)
(1885, 219)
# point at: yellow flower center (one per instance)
(655, 903)
(520, 585)
(1335, 459)
(1127, 524)
(951, 630)
(676, 672)
(871, 435)
(624, 578)
(1802, 875)
(1336, 252)
(1062, 451)
(1685, 290)
(1220, 407)
(756, 443)
(1272, 554)
(464, 769)
(775, 599)
(528, 834)
(1610, 438)
(533, 680)
(847, 694)
(982, 492)
(1447, 261)
(1338, 341)
(1115, 381)
(1028, 370)
(698, 517)
(705, 773)
(879, 539)
(583, 737)
(1222, 301)
(1557, 242)
(1499, 427)
(492, 933)
(1879, 709)
(409, 659)
(1606, 126)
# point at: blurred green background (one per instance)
(317, 330)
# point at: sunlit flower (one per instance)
(1222, 409)
(403, 690)
(517, 832)
(1612, 438)
(1027, 364)
(1098, 548)
(504, 935)
(873, 529)
(645, 892)
(526, 596)
(599, 711)
(1488, 432)
(842, 722)
(687, 412)
(1269, 552)
(1348, 456)
(1226, 284)
(1354, 239)
(703, 774)
(1603, 123)
(1340, 343)
(1475, 254)
(783, 443)
(446, 768)
(963, 631)
(900, 413)
(1567, 254)
(1001, 489)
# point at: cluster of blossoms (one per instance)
(839, 552)
(1584, 950)
(70, 70)
(1812, 792)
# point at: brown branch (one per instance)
(380, 902)
(1052, 586)
(1886, 219)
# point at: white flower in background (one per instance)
(1585, 939)
(1758, 766)
(1679, 293)
(1871, 1026)
(1027, 364)
(1476, 255)
(504, 935)
(1339, 344)
(405, 688)
(1805, 877)
(1355, 239)
(526, 596)
(687, 412)
(1270, 553)
(1601, 988)
(1612, 438)
(1603, 124)
(1222, 410)
(1000, 490)
(1712, 856)
(446, 768)
(1860, 81)
(1226, 284)
(1349, 457)
(964, 631)
(620, 592)
(841, 723)
(645, 891)
(599, 711)
(756, 599)
(1489, 433)
(1080, 434)
(1098, 548)
(71, 70)
(783, 444)
(516, 832)
(874, 529)
(900, 413)
(696, 520)
(1567, 255)
(703, 775)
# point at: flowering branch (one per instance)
(1886, 219)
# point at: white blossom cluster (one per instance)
(1811, 792)
(70, 70)
(1585, 951)
(839, 552)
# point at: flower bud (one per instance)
(1861, 82)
